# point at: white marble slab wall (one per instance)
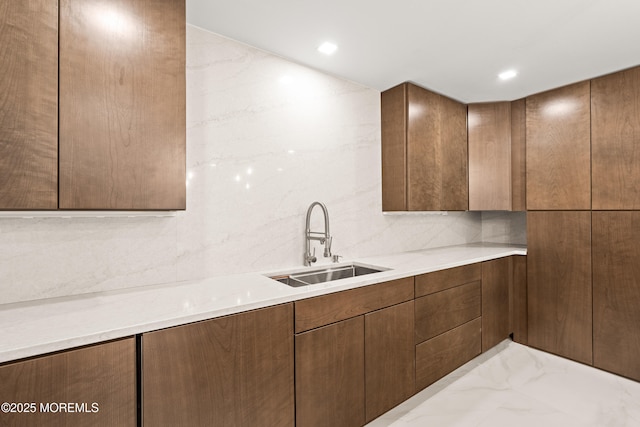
(265, 138)
(504, 227)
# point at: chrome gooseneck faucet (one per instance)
(323, 237)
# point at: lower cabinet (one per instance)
(616, 292)
(438, 356)
(350, 371)
(559, 290)
(496, 281)
(89, 386)
(230, 371)
(330, 375)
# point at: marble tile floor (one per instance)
(516, 386)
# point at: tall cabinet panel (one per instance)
(29, 104)
(490, 156)
(122, 104)
(424, 151)
(616, 292)
(559, 283)
(559, 149)
(615, 133)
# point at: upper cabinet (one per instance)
(122, 104)
(559, 148)
(424, 151)
(29, 105)
(496, 156)
(615, 133)
(108, 131)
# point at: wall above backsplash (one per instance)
(265, 138)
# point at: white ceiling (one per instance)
(455, 47)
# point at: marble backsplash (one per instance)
(265, 138)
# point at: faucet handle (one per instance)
(311, 257)
(336, 258)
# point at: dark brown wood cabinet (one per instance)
(330, 375)
(615, 136)
(236, 370)
(558, 154)
(559, 293)
(99, 382)
(519, 311)
(355, 355)
(389, 358)
(424, 151)
(496, 282)
(439, 356)
(496, 156)
(616, 292)
(122, 104)
(439, 312)
(29, 106)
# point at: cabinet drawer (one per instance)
(323, 310)
(439, 356)
(440, 280)
(442, 311)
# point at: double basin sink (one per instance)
(326, 274)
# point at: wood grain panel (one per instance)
(616, 292)
(442, 311)
(490, 156)
(104, 374)
(323, 310)
(444, 279)
(393, 104)
(496, 281)
(518, 155)
(330, 375)
(559, 293)
(29, 104)
(519, 297)
(559, 149)
(436, 152)
(231, 371)
(122, 104)
(615, 133)
(443, 354)
(389, 358)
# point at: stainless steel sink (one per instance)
(327, 274)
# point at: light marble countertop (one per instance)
(39, 327)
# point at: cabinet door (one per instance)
(231, 371)
(559, 283)
(615, 134)
(559, 149)
(389, 358)
(518, 155)
(490, 156)
(29, 105)
(98, 382)
(616, 292)
(519, 298)
(436, 152)
(330, 375)
(496, 281)
(122, 104)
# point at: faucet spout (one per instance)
(324, 237)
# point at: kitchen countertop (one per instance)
(43, 326)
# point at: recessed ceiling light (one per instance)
(327, 48)
(506, 75)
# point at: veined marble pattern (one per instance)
(514, 385)
(504, 227)
(265, 138)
